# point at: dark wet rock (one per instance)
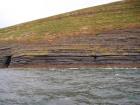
(65, 60)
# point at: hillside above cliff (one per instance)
(94, 20)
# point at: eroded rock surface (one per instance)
(120, 47)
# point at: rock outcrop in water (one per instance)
(102, 36)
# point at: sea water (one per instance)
(71, 86)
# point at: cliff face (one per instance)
(119, 48)
(102, 36)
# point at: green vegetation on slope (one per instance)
(94, 20)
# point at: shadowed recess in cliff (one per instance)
(7, 61)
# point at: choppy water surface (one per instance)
(70, 87)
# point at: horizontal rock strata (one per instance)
(66, 60)
(119, 47)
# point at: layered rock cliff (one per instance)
(118, 48)
(103, 36)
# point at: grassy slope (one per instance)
(93, 20)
